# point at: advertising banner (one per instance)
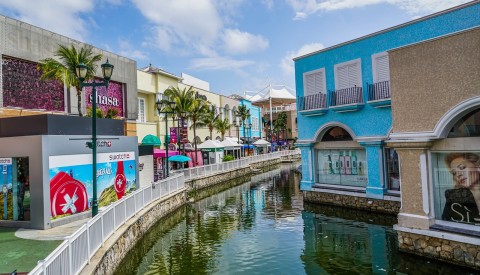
(457, 186)
(6, 196)
(71, 189)
(344, 167)
(173, 135)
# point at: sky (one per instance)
(235, 45)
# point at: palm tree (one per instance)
(64, 68)
(222, 126)
(244, 114)
(195, 112)
(208, 120)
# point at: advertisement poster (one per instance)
(344, 167)
(457, 186)
(6, 196)
(71, 189)
(173, 135)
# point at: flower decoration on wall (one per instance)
(107, 99)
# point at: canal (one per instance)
(263, 227)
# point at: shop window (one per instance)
(467, 126)
(342, 167)
(456, 178)
(15, 195)
(393, 174)
(141, 110)
(336, 134)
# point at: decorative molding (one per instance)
(424, 177)
(331, 124)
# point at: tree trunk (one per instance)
(195, 143)
(79, 103)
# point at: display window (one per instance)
(457, 186)
(342, 167)
(392, 169)
(15, 195)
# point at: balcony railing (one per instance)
(279, 109)
(312, 102)
(379, 91)
(346, 96)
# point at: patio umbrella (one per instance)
(179, 158)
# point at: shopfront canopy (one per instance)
(261, 143)
(151, 140)
(230, 145)
(158, 153)
(213, 145)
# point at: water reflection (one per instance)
(262, 227)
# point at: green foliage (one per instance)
(98, 112)
(222, 126)
(208, 119)
(63, 67)
(112, 113)
(227, 158)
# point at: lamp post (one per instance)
(165, 107)
(81, 72)
(183, 116)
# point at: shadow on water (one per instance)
(263, 227)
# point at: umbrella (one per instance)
(179, 158)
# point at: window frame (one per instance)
(375, 68)
(324, 84)
(139, 119)
(348, 63)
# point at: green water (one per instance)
(263, 227)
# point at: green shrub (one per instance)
(227, 158)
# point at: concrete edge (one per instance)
(440, 235)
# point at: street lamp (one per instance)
(81, 72)
(165, 107)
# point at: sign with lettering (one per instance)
(107, 99)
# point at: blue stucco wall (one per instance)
(254, 112)
(369, 121)
(372, 121)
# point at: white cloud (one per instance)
(127, 50)
(60, 16)
(181, 23)
(287, 61)
(238, 42)
(415, 7)
(219, 63)
(268, 3)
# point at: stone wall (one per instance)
(369, 204)
(108, 257)
(441, 249)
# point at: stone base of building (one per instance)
(441, 249)
(351, 201)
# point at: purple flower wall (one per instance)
(22, 87)
(113, 98)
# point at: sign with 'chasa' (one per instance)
(106, 100)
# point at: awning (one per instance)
(151, 140)
(160, 153)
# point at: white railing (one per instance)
(76, 251)
(206, 170)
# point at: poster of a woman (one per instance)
(463, 200)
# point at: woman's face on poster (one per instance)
(465, 173)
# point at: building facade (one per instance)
(344, 107)
(439, 81)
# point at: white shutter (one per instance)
(342, 78)
(382, 70)
(141, 110)
(354, 75)
(314, 83)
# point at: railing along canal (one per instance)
(75, 252)
(206, 170)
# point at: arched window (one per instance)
(336, 134)
(467, 126)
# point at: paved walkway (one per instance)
(56, 233)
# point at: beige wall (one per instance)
(224, 100)
(430, 78)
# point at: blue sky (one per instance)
(235, 45)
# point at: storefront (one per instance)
(212, 152)
(47, 168)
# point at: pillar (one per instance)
(376, 186)
(308, 180)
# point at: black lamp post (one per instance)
(165, 107)
(81, 72)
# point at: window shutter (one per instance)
(314, 83)
(342, 78)
(141, 110)
(382, 69)
(348, 76)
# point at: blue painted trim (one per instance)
(314, 112)
(381, 103)
(375, 192)
(306, 185)
(347, 108)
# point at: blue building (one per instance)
(344, 107)
(255, 120)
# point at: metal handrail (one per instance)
(73, 254)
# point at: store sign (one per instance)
(107, 99)
(173, 135)
(71, 189)
(456, 181)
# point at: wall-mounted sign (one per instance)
(106, 99)
(71, 189)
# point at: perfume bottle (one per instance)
(342, 164)
(360, 169)
(336, 163)
(330, 165)
(348, 164)
(353, 159)
(120, 181)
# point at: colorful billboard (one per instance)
(6, 196)
(343, 167)
(71, 189)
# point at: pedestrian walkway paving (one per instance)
(21, 249)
